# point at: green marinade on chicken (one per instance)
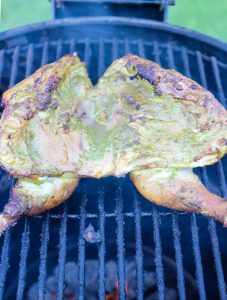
(141, 119)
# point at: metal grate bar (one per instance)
(2, 54)
(87, 53)
(194, 227)
(185, 62)
(45, 225)
(81, 241)
(218, 79)
(201, 69)
(43, 257)
(26, 234)
(44, 59)
(62, 254)
(4, 265)
(102, 295)
(25, 243)
(115, 49)
(101, 254)
(72, 46)
(157, 237)
(81, 247)
(101, 58)
(120, 243)
(156, 52)
(59, 49)
(111, 215)
(158, 256)
(178, 257)
(139, 250)
(221, 174)
(176, 231)
(29, 61)
(197, 255)
(141, 48)
(138, 237)
(127, 46)
(14, 66)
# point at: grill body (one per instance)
(128, 224)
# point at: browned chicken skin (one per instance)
(140, 119)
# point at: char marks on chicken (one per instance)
(141, 119)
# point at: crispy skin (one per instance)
(35, 138)
(179, 189)
(139, 116)
(36, 195)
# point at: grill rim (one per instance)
(118, 21)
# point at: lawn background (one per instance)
(207, 16)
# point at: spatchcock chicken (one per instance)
(140, 119)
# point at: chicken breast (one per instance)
(140, 119)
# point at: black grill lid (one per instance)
(147, 9)
(111, 205)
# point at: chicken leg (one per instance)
(35, 195)
(179, 189)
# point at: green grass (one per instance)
(207, 16)
(16, 13)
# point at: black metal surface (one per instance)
(112, 206)
(146, 9)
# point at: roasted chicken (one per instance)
(140, 119)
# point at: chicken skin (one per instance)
(140, 119)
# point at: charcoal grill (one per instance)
(122, 223)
